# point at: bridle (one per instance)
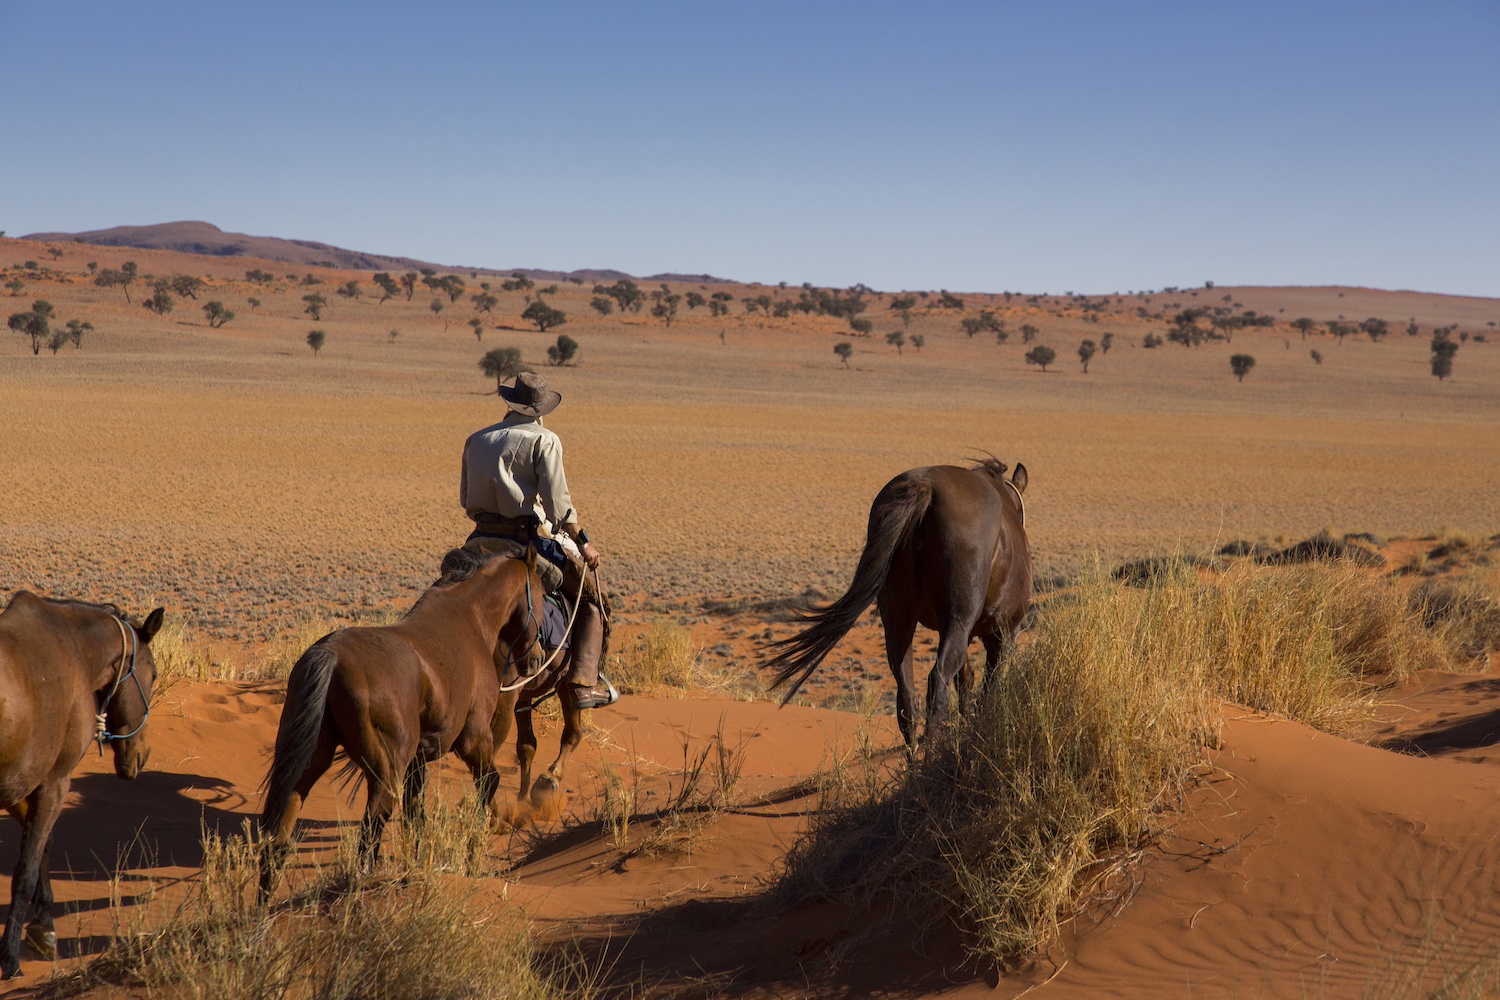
(1019, 502)
(130, 645)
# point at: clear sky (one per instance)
(983, 146)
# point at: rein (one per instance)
(1021, 503)
(130, 645)
(531, 617)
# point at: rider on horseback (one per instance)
(514, 490)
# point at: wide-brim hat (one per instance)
(530, 395)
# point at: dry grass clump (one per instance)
(1075, 751)
(179, 652)
(1463, 611)
(662, 659)
(420, 936)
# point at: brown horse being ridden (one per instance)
(396, 697)
(71, 674)
(946, 548)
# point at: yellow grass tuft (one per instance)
(662, 659)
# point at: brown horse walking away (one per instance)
(396, 697)
(71, 675)
(946, 548)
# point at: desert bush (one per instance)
(180, 652)
(1464, 613)
(424, 935)
(1240, 365)
(564, 351)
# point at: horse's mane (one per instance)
(461, 564)
(68, 602)
(992, 465)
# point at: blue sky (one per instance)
(1090, 147)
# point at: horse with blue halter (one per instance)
(396, 697)
(71, 675)
(946, 548)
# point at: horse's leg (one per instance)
(41, 933)
(963, 683)
(381, 784)
(952, 654)
(279, 840)
(547, 794)
(413, 797)
(900, 626)
(525, 746)
(994, 646)
(42, 809)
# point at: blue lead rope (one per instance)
(102, 735)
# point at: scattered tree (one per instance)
(1317, 356)
(1340, 330)
(501, 363)
(55, 340)
(34, 324)
(602, 305)
(254, 303)
(391, 335)
(903, 305)
(1241, 364)
(387, 285)
(862, 326)
(896, 339)
(186, 286)
(1412, 329)
(917, 340)
(217, 314)
(484, 301)
(477, 325)
(718, 304)
(1151, 340)
(665, 306)
(844, 350)
(16, 286)
(436, 305)
(310, 279)
(1304, 325)
(1443, 349)
(1028, 333)
(1375, 328)
(258, 277)
(76, 331)
(562, 352)
(694, 300)
(1105, 342)
(349, 289)
(1085, 353)
(409, 284)
(1040, 355)
(56, 253)
(161, 301)
(316, 339)
(626, 293)
(315, 305)
(453, 285)
(947, 300)
(124, 277)
(545, 317)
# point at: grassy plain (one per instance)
(255, 488)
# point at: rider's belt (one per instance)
(507, 527)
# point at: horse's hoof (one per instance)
(547, 800)
(43, 941)
(510, 816)
(10, 968)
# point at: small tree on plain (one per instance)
(1316, 355)
(76, 331)
(216, 313)
(349, 289)
(34, 324)
(602, 305)
(917, 340)
(161, 301)
(387, 285)
(254, 303)
(1105, 342)
(316, 339)
(409, 284)
(186, 286)
(544, 316)
(862, 326)
(1304, 325)
(903, 305)
(477, 325)
(665, 306)
(452, 285)
(1085, 353)
(436, 305)
(1040, 355)
(1241, 364)
(501, 363)
(844, 350)
(562, 352)
(896, 339)
(391, 335)
(315, 304)
(55, 340)
(1028, 333)
(16, 286)
(694, 300)
(1443, 350)
(484, 301)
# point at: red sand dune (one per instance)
(1303, 865)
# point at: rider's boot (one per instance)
(591, 689)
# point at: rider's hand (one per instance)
(590, 554)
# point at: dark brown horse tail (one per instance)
(897, 510)
(297, 734)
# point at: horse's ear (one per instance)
(1018, 478)
(152, 625)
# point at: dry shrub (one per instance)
(180, 653)
(421, 936)
(662, 659)
(1076, 750)
(1464, 612)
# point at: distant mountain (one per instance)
(208, 239)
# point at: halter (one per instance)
(531, 617)
(129, 644)
(1020, 503)
(536, 637)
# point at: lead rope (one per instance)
(572, 617)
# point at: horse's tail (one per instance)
(297, 734)
(897, 510)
